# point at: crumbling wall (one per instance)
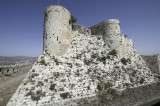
(8, 70)
(110, 30)
(111, 26)
(82, 29)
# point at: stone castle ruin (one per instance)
(80, 63)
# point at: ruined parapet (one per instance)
(111, 26)
(110, 30)
(8, 70)
(57, 30)
(82, 29)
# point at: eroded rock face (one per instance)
(75, 67)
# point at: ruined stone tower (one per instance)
(111, 32)
(57, 30)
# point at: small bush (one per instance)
(88, 87)
(35, 96)
(108, 85)
(125, 36)
(100, 87)
(113, 52)
(124, 61)
(111, 91)
(108, 57)
(116, 66)
(73, 19)
(102, 59)
(65, 95)
(142, 81)
(126, 84)
(52, 86)
(43, 62)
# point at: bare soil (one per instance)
(9, 84)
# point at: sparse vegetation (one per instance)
(100, 87)
(126, 84)
(73, 19)
(103, 59)
(65, 95)
(108, 57)
(113, 52)
(52, 86)
(35, 96)
(142, 81)
(124, 61)
(125, 36)
(107, 85)
(88, 87)
(43, 62)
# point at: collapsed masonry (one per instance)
(76, 64)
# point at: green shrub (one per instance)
(65, 95)
(108, 57)
(73, 19)
(100, 87)
(107, 85)
(125, 36)
(35, 96)
(142, 81)
(126, 84)
(43, 62)
(124, 61)
(103, 59)
(88, 87)
(113, 52)
(111, 91)
(52, 86)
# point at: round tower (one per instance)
(112, 26)
(57, 30)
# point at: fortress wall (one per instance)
(120, 43)
(110, 30)
(158, 63)
(111, 26)
(98, 29)
(57, 30)
(82, 29)
(8, 70)
(146, 95)
(153, 63)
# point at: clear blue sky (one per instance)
(21, 22)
